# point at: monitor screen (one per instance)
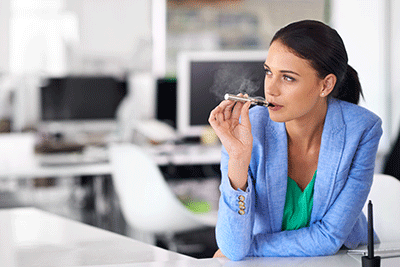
(81, 99)
(205, 77)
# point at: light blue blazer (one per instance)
(344, 176)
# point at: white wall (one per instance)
(395, 67)
(362, 26)
(117, 31)
(114, 35)
(4, 35)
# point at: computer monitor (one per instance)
(204, 78)
(81, 103)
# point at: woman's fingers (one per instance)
(212, 119)
(228, 109)
(222, 112)
(236, 111)
(245, 119)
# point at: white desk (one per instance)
(31, 237)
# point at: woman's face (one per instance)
(292, 85)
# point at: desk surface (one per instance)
(162, 155)
(31, 237)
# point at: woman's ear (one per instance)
(328, 84)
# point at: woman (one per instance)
(295, 176)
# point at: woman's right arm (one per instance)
(234, 230)
(235, 216)
(230, 121)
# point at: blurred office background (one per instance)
(130, 49)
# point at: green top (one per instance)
(298, 205)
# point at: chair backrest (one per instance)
(17, 150)
(385, 196)
(146, 200)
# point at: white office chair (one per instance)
(385, 197)
(147, 203)
(17, 151)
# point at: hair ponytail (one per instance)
(349, 89)
(324, 49)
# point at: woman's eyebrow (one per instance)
(283, 71)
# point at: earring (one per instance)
(322, 94)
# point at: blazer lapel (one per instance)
(276, 174)
(332, 145)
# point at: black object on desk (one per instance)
(50, 147)
(370, 260)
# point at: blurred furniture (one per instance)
(385, 196)
(18, 161)
(147, 203)
(184, 154)
(56, 170)
(17, 150)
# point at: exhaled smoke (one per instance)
(234, 79)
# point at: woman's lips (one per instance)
(275, 107)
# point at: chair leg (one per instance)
(145, 237)
(170, 242)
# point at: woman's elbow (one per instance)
(327, 248)
(234, 251)
(234, 255)
(328, 251)
(233, 246)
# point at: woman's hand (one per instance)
(218, 254)
(235, 137)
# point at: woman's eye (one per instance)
(288, 78)
(267, 72)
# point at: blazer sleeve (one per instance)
(234, 227)
(326, 236)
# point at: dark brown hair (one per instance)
(324, 49)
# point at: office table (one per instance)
(31, 237)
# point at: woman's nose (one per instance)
(271, 87)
